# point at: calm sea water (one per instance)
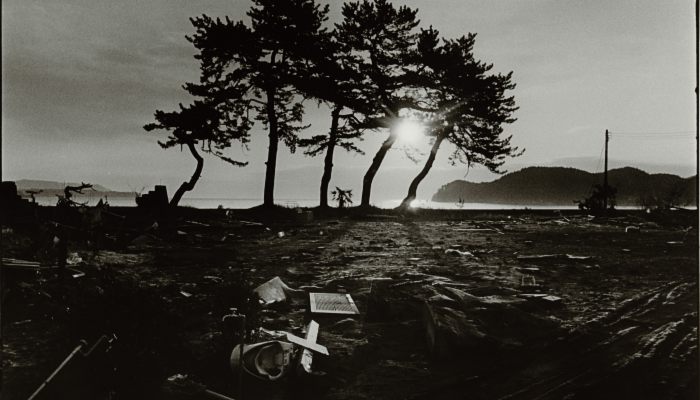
(248, 203)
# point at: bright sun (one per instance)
(410, 131)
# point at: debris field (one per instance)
(467, 304)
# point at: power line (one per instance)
(600, 159)
(656, 137)
(652, 132)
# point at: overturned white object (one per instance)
(266, 360)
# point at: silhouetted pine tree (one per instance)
(213, 122)
(381, 39)
(333, 82)
(470, 105)
(270, 55)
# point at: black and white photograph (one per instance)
(349, 199)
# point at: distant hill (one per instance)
(28, 184)
(50, 188)
(561, 186)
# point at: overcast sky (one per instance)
(81, 78)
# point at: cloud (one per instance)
(57, 81)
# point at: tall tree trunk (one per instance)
(374, 167)
(413, 188)
(187, 186)
(328, 161)
(268, 196)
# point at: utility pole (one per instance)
(605, 174)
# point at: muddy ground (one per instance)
(446, 303)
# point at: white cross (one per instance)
(309, 344)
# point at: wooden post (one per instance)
(697, 129)
(605, 174)
(63, 364)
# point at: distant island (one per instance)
(563, 186)
(53, 188)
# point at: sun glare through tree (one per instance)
(410, 127)
(410, 131)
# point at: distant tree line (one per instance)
(373, 69)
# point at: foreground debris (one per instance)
(332, 303)
(601, 324)
(273, 291)
(83, 374)
(265, 360)
(458, 323)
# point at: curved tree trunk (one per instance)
(413, 188)
(187, 186)
(328, 161)
(374, 167)
(269, 191)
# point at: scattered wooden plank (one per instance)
(553, 257)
